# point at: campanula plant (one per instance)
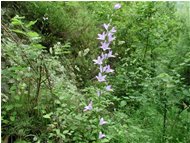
(106, 39)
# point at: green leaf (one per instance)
(121, 42)
(38, 46)
(12, 118)
(18, 105)
(17, 97)
(19, 31)
(31, 23)
(63, 136)
(86, 51)
(57, 131)
(17, 20)
(9, 107)
(67, 45)
(123, 103)
(65, 132)
(105, 140)
(136, 128)
(32, 34)
(47, 116)
(5, 121)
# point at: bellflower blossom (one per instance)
(106, 26)
(108, 88)
(104, 56)
(102, 122)
(108, 69)
(101, 78)
(113, 30)
(110, 37)
(105, 46)
(89, 107)
(117, 6)
(103, 69)
(109, 55)
(102, 36)
(101, 135)
(98, 61)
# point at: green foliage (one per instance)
(32, 77)
(67, 22)
(48, 74)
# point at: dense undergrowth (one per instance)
(48, 75)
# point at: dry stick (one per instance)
(164, 122)
(49, 82)
(39, 85)
(9, 33)
(29, 84)
(148, 36)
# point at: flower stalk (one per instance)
(106, 38)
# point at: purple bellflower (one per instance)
(113, 30)
(102, 36)
(98, 61)
(104, 56)
(117, 6)
(108, 88)
(101, 78)
(106, 38)
(110, 37)
(106, 26)
(103, 69)
(102, 122)
(108, 69)
(89, 107)
(105, 46)
(110, 54)
(101, 135)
